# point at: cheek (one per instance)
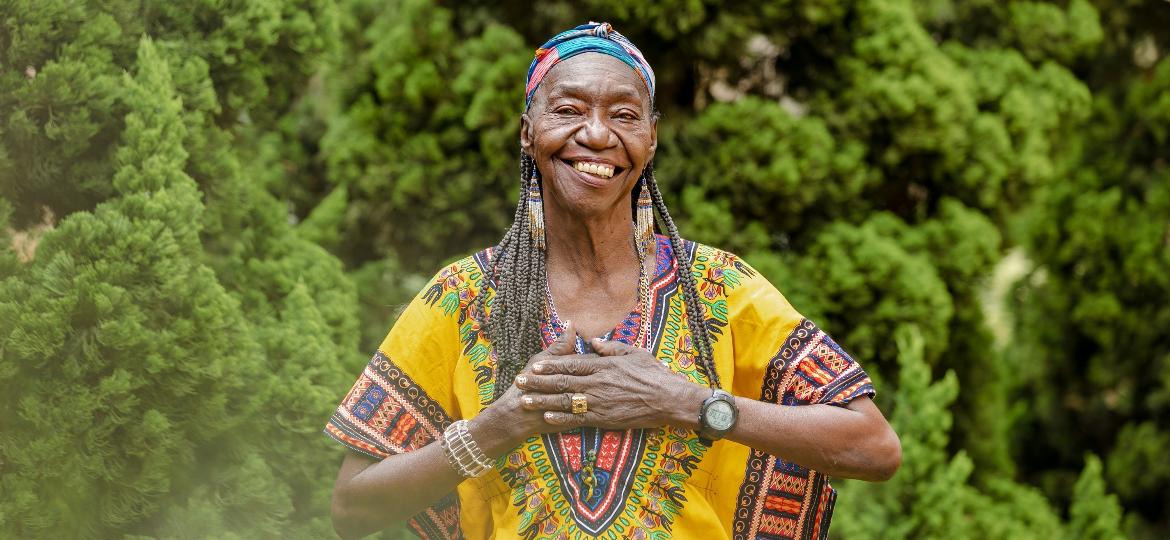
(550, 139)
(637, 143)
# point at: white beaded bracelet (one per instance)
(464, 455)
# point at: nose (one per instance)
(595, 133)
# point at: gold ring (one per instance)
(580, 403)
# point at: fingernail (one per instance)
(549, 416)
(520, 379)
(527, 400)
(538, 367)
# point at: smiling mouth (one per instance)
(599, 170)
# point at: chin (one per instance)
(588, 201)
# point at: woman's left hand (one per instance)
(625, 388)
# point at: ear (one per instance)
(653, 135)
(527, 134)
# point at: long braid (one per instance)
(518, 269)
(492, 279)
(695, 312)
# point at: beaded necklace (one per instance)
(643, 337)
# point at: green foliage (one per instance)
(1095, 305)
(9, 264)
(113, 388)
(63, 61)
(868, 286)
(789, 173)
(931, 496)
(1094, 513)
(166, 377)
(209, 248)
(426, 140)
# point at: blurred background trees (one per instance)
(213, 211)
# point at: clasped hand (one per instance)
(626, 387)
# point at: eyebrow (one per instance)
(577, 89)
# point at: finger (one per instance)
(549, 384)
(547, 402)
(568, 420)
(566, 343)
(578, 364)
(611, 347)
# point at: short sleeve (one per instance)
(783, 357)
(813, 368)
(403, 398)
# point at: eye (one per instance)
(626, 115)
(566, 110)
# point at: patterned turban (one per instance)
(591, 37)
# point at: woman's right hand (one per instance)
(505, 423)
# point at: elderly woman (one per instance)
(686, 398)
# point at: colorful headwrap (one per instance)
(591, 37)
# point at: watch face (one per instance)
(720, 415)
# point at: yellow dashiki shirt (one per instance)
(435, 367)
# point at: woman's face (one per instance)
(591, 130)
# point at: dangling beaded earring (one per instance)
(536, 212)
(644, 226)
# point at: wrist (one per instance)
(686, 406)
(492, 435)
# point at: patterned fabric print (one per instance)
(598, 487)
(633, 485)
(781, 500)
(454, 290)
(591, 37)
(669, 334)
(638, 477)
(387, 413)
(716, 273)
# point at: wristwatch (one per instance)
(717, 415)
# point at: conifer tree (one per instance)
(236, 449)
(63, 61)
(113, 395)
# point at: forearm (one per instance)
(837, 441)
(370, 496)
(846, 442)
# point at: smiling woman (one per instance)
(686, 398)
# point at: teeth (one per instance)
(596, 169)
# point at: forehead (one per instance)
(594, 75)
